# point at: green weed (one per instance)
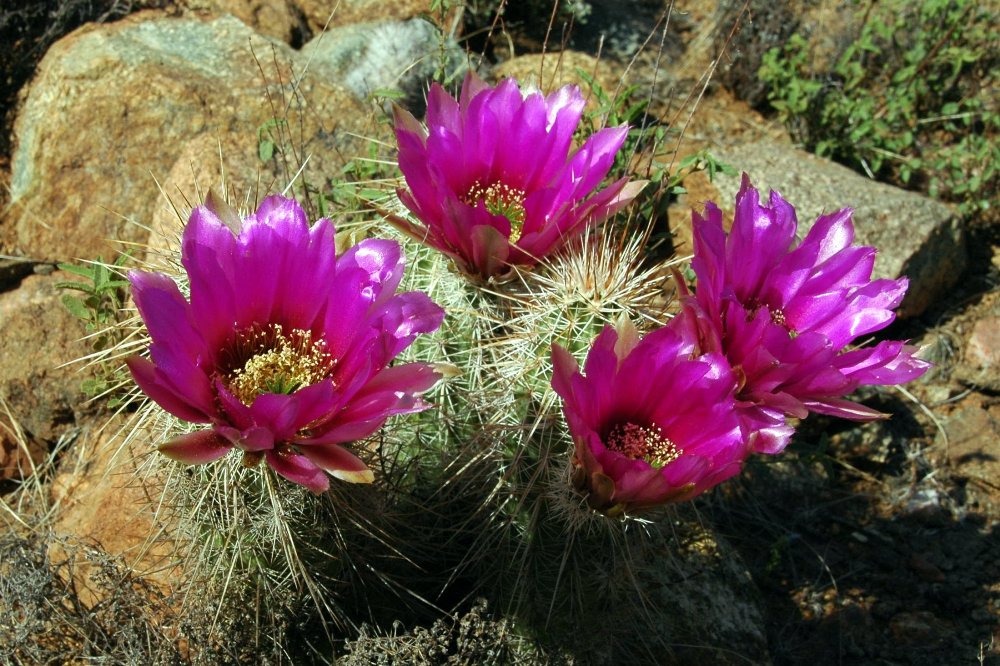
(909, 99)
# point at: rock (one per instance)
(974, 443)
(143, 88)
(392, 54)
(37, 337)
(926, 504)
(918, 627)
(601, 26)
(550, 71)
(20, 454)
(104, 499)
(925, 569)
(744, 32)
(982, 354)
(980, 365)
(279, 19)
(915, 236)
(712, 600)
(323, 14)
(201, 165)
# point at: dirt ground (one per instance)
(879, 544)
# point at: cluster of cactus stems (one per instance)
(471, 488)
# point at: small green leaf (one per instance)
(76, 307)
(82, 271)
(265, 150)
(76, 286)
(100, 277)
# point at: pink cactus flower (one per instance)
(785, 314)
(493, 180)
(651, 423)
(283, 348)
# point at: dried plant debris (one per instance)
(473, 638)
(66, 602)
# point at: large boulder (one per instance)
(324, 14)
(280, 19)
(548, 72)
(373, 56)
(113, 107)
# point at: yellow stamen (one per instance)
(753, 306)
(642, 443)
(267, 360)
(500, 199)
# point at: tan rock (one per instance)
(106, 499)
(279, 19)
(37, 337)
(553, 70)
(973, 443)
(20, 454)
(333, 13)
(981, 362)
(142, 88)
(229, 165)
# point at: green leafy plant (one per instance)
(361, 179)
(908, 101)
(98, 300)
(266, 139)
(102, 294)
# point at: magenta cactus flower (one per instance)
(283, 349)
(493, 180)
(651, 422)
(785, 314)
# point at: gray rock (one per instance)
(396, 55)
(112, 107)
(915, 236)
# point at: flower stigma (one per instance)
(500, 199)
(642, 443)
(268, 360)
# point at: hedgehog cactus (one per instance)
(518, 464)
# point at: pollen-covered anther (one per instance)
(642, 443)
(268, 360)
(777, 315)
(500, 199)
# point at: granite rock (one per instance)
(142, 88)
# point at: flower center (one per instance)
(500, 199)
(642, 443)
(777, 315)
(268, 360)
